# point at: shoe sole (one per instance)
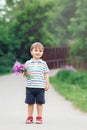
(29, 122)
(38, 122)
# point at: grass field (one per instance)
(73, 86)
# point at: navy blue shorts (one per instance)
(35, 95)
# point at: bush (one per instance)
(74, 78)
(79, 78)
(6, 63)
(64, 75)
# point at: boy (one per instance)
(38, 82)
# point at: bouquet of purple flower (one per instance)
(19, 68)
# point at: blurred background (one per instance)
(53, 23)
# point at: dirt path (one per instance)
(59, 114)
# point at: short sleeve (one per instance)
(46, 69)
(26, 64)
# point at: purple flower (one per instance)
(69, 67)
(19, 68)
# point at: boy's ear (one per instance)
(31, 52)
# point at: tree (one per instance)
(63, 11)
(29, 25)
(78, 27)
(24, 22)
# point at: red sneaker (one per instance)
(29, 120)
(38, 120)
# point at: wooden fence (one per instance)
(56, 56)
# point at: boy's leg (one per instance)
(30, 114)
(39, 114)
(40, 100)
(39, 109)
(30, 109)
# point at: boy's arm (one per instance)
(25, 73)
(46, 76)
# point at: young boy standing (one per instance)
(38, 82)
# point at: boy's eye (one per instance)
(40, 50)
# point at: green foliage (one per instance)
(63, 11)
(52, 23)
(73, 86)
(74, 78)
(25, 22)
(30, 25)
(6, 63)
(77, 27)
(64, 75)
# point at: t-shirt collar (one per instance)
(36, 61)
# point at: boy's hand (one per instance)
(46, 87)
(25, 73)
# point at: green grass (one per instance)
(75, 91)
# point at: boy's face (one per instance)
(37, 53)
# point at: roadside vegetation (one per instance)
(73, 86)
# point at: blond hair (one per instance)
(37, 45)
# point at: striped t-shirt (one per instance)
(36, 70)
